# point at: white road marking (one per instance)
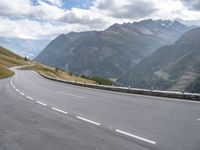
(136, 137)
(11, 83)
(17, 90)
(61, 111)
(72, 95)
(140, 95)
(43, 104)
(87, 120)
(30, 98)
(198, 119)
(22, 93)
(171, 99)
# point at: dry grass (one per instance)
(9, 59)
(4, 72)
(56, 74)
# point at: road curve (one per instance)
(112, 120)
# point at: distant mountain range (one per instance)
(113, 52)
(172, 67)
(24, 47)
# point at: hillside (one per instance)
(9, 59)
(172, 67)
(112, 52)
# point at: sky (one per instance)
(46, 19)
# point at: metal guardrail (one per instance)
(158, 93)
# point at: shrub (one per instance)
(194, 87)
(85, 77)
(102, 81)
(25, 58)
(56, 69)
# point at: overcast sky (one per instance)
(45, 19)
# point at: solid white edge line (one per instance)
(30, 98)
(76, 96)
(87, 120)
(198, 119)
(17, 90)
(43, 104)
(58, 110)
(146, 96)
(136, 137)
(22, 93)
(72, 95)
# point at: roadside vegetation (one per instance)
(4, 72)
(7, 60)
(56, 73)
(194, 87)
(99, 80)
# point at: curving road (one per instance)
(36, 113)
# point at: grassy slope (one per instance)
(56, 74)
(9, 59)
(4, 72)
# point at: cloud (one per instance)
(28, 29)
(192, 4)
(58, 3)
(104, 13)
(92, 18)
(25, 9)
(45, 19)
(126, 9)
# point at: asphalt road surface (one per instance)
(39, 114)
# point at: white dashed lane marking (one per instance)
(22, 93)
(136, 137)
(84, 119)
(87, 120)
(58, 110)
(30, 98)
(43, 104)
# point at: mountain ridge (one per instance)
(112, 52)
(172, 67)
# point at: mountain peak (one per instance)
(152, 25)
